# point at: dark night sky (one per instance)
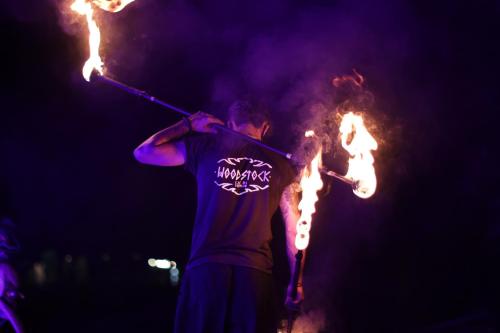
(424, 249)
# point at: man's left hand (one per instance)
(294, 303)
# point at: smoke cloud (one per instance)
(312, 321)
(204, 55)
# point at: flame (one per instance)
(112, 5)
(361, 169)
(310, 183)
(84, 7)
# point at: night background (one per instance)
(421, 255)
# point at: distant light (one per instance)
(68, 258)
(174, 280)
(106, 257)
(163, 264)
(174, 276)
(39, 273)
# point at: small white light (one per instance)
(174, 280)
(151, 262)
(163, 263)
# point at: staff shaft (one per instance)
(141, 93)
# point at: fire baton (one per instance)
(292, 313)
(96, 77)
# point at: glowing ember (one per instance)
(359, 143)
(112, 5)
(310, 183)
(309, 134)
(84, 7)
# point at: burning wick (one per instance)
(310, 183)
(94, 61)
(358, 142)
(84, 7)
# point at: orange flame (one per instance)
(361, 160)
(84, 7)
(111, 5)
(310, 183)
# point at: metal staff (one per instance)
(338, 176)
(95, 76)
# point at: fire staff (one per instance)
(227, 286)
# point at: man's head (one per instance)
(249, 117)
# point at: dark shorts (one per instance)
(220, 298)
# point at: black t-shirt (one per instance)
(239, 189)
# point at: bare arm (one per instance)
(289, 208)
(165, 149)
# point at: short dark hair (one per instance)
(249, 111)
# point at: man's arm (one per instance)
(289, 207)
(165, 149)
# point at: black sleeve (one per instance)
(195, 149)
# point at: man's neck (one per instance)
(250, 131)
(252, 135)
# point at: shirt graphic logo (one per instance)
(241, 175)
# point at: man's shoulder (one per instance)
(199, 141)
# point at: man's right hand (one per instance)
(165, 149)
(203, 122)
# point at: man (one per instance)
(227, 285)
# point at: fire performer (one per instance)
(227, 286)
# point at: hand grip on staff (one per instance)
(203, 122)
